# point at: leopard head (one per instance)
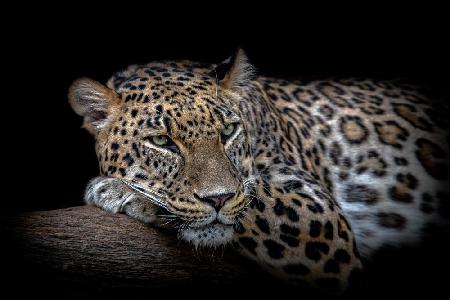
(173, 133)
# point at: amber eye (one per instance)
(160, 140)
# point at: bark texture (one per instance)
(89, 247)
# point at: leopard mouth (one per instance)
(214, 234)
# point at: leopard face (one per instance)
(175, 137)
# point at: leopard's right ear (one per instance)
(95, 102)
(235, 71)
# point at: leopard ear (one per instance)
(95, 102)
(235, 71)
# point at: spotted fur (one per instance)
(313, 176)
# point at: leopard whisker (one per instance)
(152, 196)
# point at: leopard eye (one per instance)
(228, 129)
(160, 140)
(163, 141)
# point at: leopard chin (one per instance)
(212, 235)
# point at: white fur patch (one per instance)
(208, 236)
(106, 193)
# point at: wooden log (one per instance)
(89, 247)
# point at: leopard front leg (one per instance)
(112, 195)
(296, 230)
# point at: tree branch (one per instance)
(91, 247)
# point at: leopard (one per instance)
(307, 178)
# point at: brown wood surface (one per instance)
(94, 248)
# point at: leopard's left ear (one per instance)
(235, 71)
(95, 102)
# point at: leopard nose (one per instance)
(217, 201)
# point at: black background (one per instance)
(50, 159)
